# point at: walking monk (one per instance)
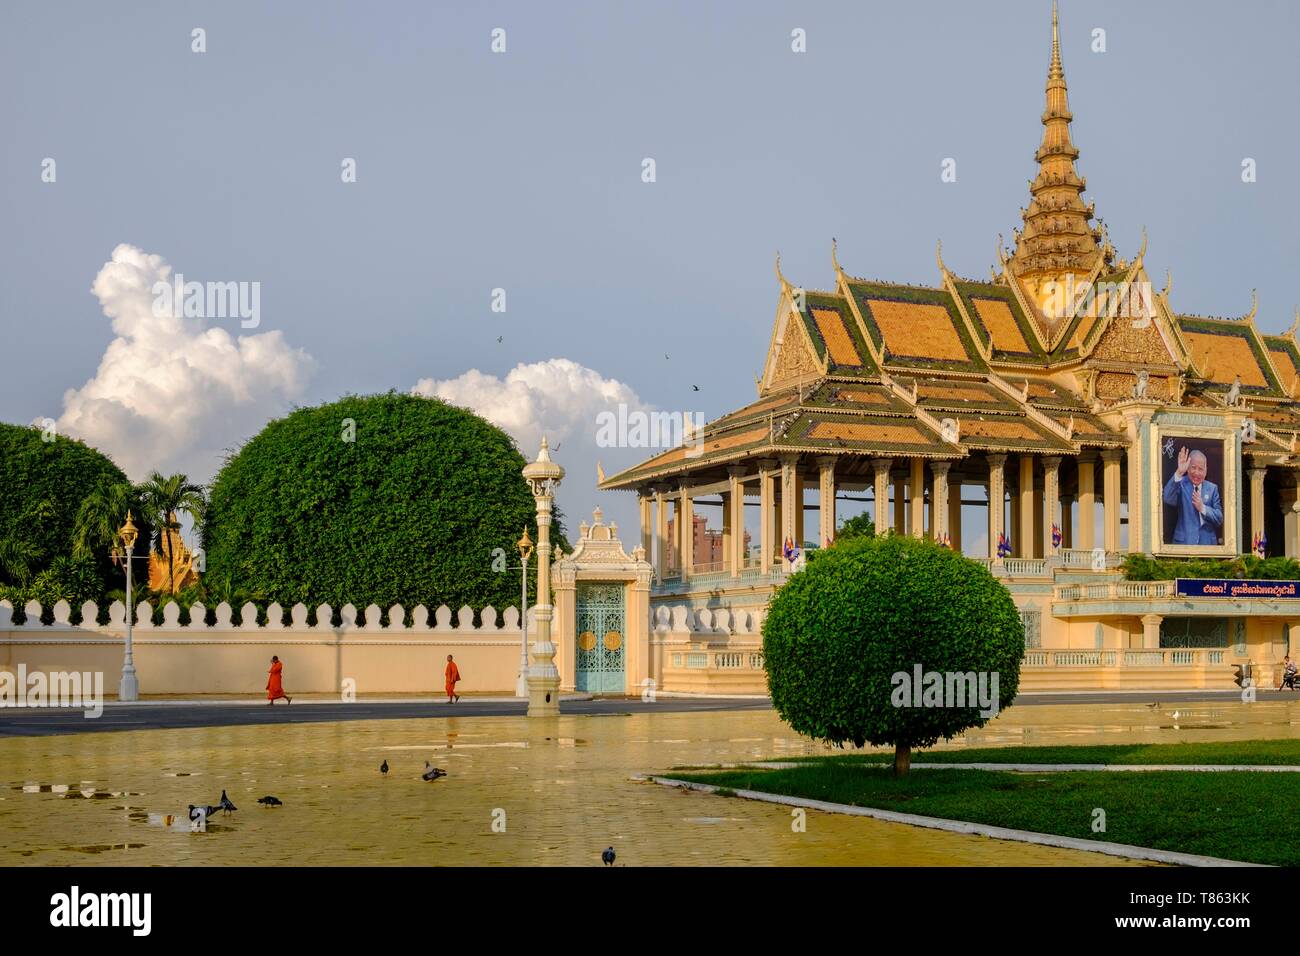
(453, 675)
(274, 689)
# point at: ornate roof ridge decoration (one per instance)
(599, 544)
(1021, 397)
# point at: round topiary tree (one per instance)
(858, 647)
(44, 478)
(384, 499)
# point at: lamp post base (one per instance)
(129, 688)
(544, 692)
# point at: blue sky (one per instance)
(522, 171)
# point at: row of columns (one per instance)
(1033, 513)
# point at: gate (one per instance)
(602, 638)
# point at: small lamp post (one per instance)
(525, 545)
(129, 689)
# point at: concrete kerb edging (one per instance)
(1035, 767)
(961, 826)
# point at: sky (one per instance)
(517, 179)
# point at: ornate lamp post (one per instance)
(129, 689)
(543, 477)
(525, 545)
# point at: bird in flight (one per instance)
(696, 387)
(501, 338)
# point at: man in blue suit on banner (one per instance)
(1200, 509)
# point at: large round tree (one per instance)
(44, 478)
(851, 642)
(384, 499)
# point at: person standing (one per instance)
(274, 688)
(453, 676)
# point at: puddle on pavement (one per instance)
(565, 798)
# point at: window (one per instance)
(1198, 631)
(1032, 618)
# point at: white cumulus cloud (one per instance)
(171, 392)
(558, 398)
(561, 399)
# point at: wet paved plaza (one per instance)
(563, 790)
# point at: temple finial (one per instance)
(780, 278)
(1290, 333)
(835, 261)
(1254, 307)
(938, 255)
(1055, 71)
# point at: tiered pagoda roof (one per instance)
(872, 368)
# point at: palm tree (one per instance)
(101, 514)
(16, 559)
(162, 499)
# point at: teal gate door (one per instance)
(602, 638)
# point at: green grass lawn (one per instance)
(1272, 752)
(1233, 815)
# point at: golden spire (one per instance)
(1057, 238)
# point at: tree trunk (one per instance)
(902, 759)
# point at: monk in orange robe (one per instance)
(274, 689)
(453, 675)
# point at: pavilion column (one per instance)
(735, 553)
(900, 505)
(1051, 501)
(1290, 520)
(1111, 459)
(939, 499)
(826, 500)
(917, 489)
(954, 511)
(1087, 501)
(997, 488)
(791, 510)
(767, 519)
(1067, 521)
(685, 531)
(1256, 503)
(881, 491)
(647, 520)
(661, 532)
(1025, 539)
(1151, 630)
(726, 533)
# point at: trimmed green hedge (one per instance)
(42, 484)
(408, 512)
(869, 608)
(1139, 567)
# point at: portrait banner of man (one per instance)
(1195, 492)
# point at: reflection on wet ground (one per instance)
(562, 789)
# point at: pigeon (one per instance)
(383, 768)
(1175, 715)
(271, 801)
(608, 856)
(696, 387)
(225, 803)
(1155, 706)
(431, 772)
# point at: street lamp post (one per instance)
(543, 477)
(129, 689)
(525, 545)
